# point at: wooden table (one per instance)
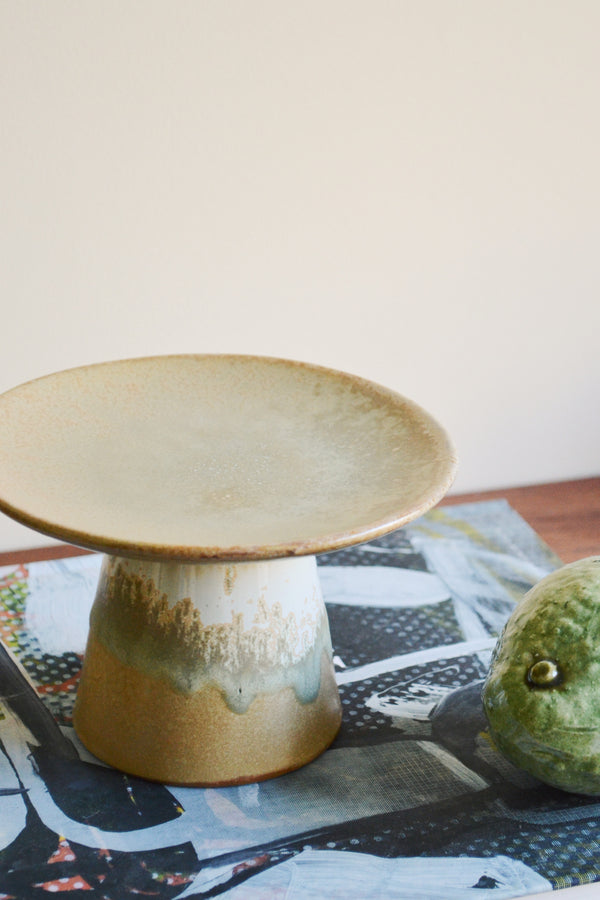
(566, 514)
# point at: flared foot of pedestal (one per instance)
(208, 674)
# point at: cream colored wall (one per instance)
(409, 191)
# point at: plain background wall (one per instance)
(406, 190)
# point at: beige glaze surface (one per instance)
(208, 673)
(216, 457)
(247, 628)
(144, 726)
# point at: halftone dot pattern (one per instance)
(557, 851)
(13, 593)
(360, 722)
(443, 790)
(54, 677)
(393, 549)
(386, 632)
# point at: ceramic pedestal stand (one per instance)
(210, 673)
(210, 483)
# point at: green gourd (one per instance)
(542, 694)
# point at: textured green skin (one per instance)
(553, 733)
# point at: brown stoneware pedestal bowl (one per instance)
(210, 483)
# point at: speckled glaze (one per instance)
(209, 660)
(216, 457)
(542, 694)
(208, 673)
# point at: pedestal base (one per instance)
(208, 674)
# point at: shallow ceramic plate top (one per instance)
(216, 457)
